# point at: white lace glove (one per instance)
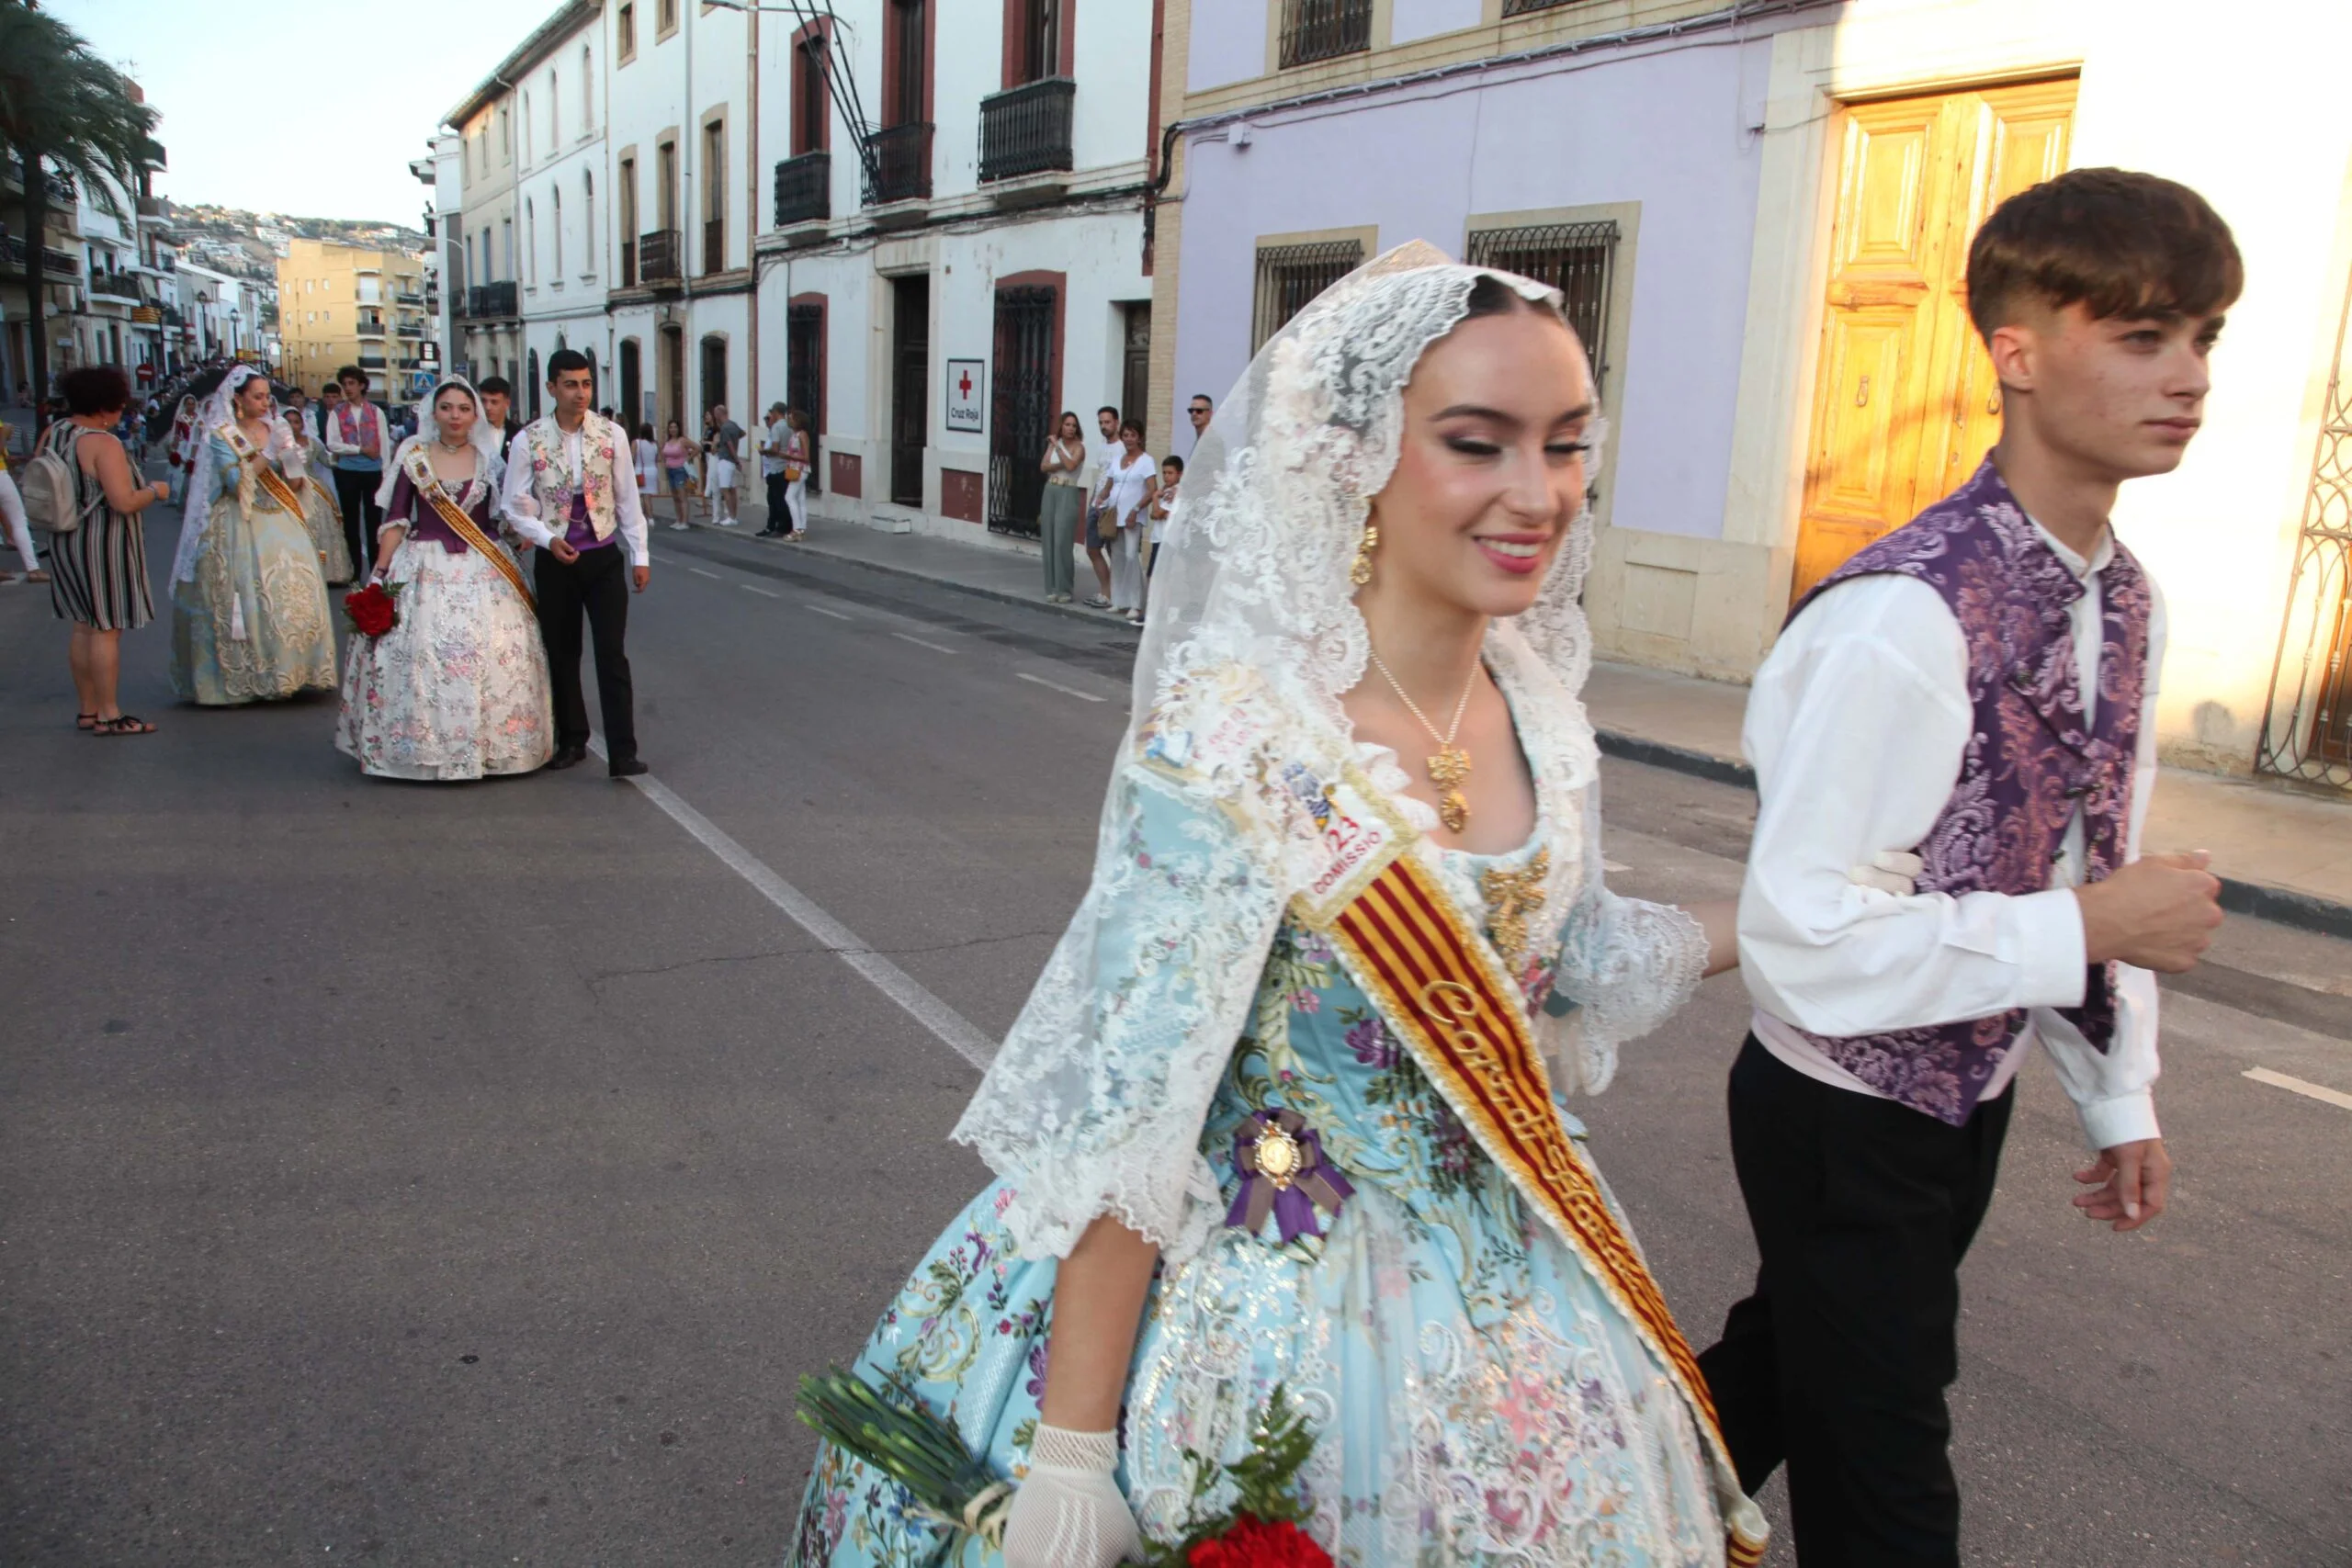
(1070, 1513)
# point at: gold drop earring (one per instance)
(1361, 573)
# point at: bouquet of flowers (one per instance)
(954, 1487)
(375, 609)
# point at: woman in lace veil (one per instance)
(1280, 1111)
(249, 601)
(458, 688)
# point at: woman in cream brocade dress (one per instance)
(250, 621)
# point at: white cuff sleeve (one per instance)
(2053, 970)
(2126, 1119)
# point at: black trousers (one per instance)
(354, 497)
(779, 514)
(1837, 1364)
(596, 583)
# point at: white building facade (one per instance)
(919, 221)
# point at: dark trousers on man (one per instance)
(1862, 1210)
(779, 510)
(354, 497)
(597, 584)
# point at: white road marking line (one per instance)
(822, 611)
(712, 575)
(1612, 867)
(1066, 691)
(2334, 1096)
(762, 593)
(935, 647)
(958, 1033)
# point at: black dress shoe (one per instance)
(566, 756)
(628, 768)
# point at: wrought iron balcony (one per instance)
(804, 189)
(408, 332)
(367, 361)
(657, 258)
(370, 329)
(491, 298)
(115, 285)
(1324, 30)
(1027, 130)
(902, 163)
(714, 246)
(408, 297)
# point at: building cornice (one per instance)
(568, 18)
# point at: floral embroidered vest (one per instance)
(557, 487)
(2031, 759)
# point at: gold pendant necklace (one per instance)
(1451, 766)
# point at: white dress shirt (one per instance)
(1857, 728)
(521, 504)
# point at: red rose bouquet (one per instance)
(374, 610)
(898, 1434)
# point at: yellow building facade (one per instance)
(341, 305)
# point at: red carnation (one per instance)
(373, 610)
(1255, 1544)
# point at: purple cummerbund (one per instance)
(582, 534)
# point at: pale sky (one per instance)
(312, 108)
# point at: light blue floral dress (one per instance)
(1478, 1396)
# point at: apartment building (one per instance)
(1759, 214)
(342, 305)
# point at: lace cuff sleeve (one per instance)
(1094, 1105)
(1625, 967)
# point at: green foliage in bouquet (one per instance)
(955, 1488)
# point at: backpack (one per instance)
(46, 485)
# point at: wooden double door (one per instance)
(1905, 402)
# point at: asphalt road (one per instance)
(463, 1175)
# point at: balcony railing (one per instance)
(491, 298)
(902, 163)
(115, 285)
(1324, 30)
(371, 361)
(371, 328)
(714, 246)
(410, 332)
(658, 260)
(1027, 130)
(408, 297)
(804, 189)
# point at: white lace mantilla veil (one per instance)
(217, 409)
(1095, 1102)
(483, 438)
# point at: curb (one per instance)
(1073, 612)
(2282, 906)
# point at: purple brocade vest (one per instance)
(2030, 761)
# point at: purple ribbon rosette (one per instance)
(1284, 1174)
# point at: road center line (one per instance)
(2310, 1090)
(1066, 691)
(822, 611)
(712, 575)
(958, 1033)
(919, 642)
(762, 593)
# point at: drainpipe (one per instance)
(752, 220)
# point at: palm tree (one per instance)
(67, 113)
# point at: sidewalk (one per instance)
(2282, 855)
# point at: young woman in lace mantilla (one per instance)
(1280, 1109)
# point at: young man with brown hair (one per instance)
(1977, 688)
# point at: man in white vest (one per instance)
(572, 490)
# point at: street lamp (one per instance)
(236, 338)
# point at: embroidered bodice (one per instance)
(474, 498)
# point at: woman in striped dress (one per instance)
(99, 571)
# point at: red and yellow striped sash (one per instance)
(429, 488)
(1440, 985)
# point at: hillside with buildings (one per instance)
(248, 244)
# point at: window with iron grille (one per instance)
(1324, 30)
(1521, 8)
(1290, 276)
(1577, 259)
